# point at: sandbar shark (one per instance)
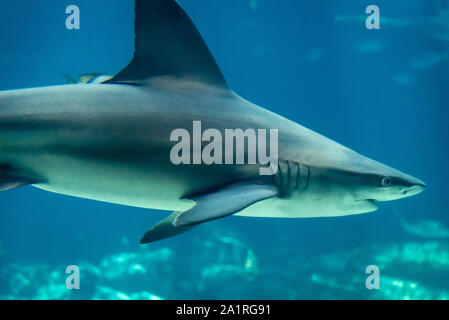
(111, 141)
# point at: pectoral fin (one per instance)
(164, 229)
(225, 202)
(211, 206)
(12, 178)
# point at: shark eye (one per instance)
(386, 181)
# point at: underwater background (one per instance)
(383, 93)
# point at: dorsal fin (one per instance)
(167, 43)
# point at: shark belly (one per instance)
(114, 182)
(307, 205)
(146, 183)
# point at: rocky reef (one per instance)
(224, 267)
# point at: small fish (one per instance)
(426, 229)
(91, 78)
(428, 60)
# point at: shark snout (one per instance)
(410, 185)
(415, 186)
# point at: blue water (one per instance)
(375, 91)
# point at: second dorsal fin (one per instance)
(167, 43)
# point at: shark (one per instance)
(110, 141)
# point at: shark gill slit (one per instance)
(288, 179)
(297, 175)
(308, 177)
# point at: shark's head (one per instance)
(390, 185)
(382, 184)
(344, 182)
(363, 182)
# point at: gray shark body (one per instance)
(111, 141)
